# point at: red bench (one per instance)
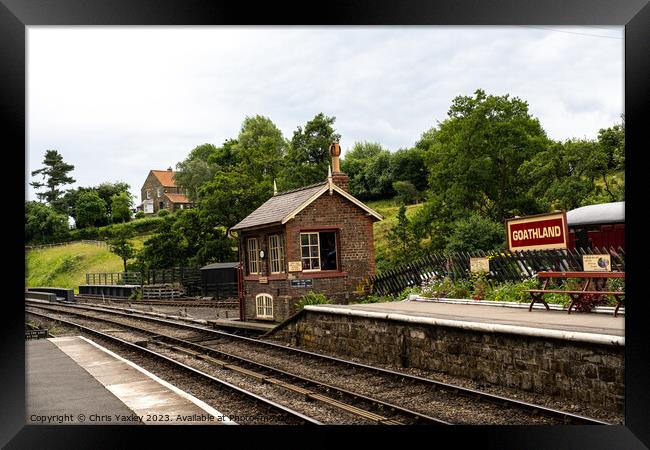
(598, 279)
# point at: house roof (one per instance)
(166, 177)
(593, 214)
(226, 265)
(284, 206)
(177, 198)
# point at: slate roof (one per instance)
(593, 214)
(279, 206)
(226, 265)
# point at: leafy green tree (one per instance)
(196, 169)
(406, 192)
(367, 165)
(121, 205)
(260, 148)
(161, 251)
(107, 191)
(232, 195)
(409, 165)
(560, 177)
(121, 245)
(405, 246)
(44, 224)
(476, 153)
(308, 154)
(476, 232)
(55, 175)
(90, 210)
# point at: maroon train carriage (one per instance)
(601, 226)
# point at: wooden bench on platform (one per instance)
(598, 279)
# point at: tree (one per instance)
(260, 148)
(121, 246)
(107, 190)
(121, 205)
(308, 154)
(476, 232)
(405, 246)
(55, 175)
(197, 169)
(90, 210)
(474, 157)
(44, 224)
(408, 165)
(368, 167)
(406, 192)
(232, 195)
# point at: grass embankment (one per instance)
(66, 266)
(388, 209)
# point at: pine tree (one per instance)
(403, 239)
(55, 175)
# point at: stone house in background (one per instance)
(315, 238)
(159, 191)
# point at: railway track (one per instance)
(179, 302)
(225, 350)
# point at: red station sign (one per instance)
(540, 232)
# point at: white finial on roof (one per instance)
(275, 188)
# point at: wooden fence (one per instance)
(188, 277)
(504, 266)
(58, 244)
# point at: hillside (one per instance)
(67, 265)
(388, 209)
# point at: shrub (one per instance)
(139, 215)
(311, 298)
(509, 291)
(376, 299)
(163, 213)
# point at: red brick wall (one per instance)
(356, 255)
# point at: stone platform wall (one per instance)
(584, 372)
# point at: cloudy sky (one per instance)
(119, 101)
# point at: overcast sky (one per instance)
(119, 101)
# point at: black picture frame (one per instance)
(15, 15)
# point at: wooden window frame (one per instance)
(255, 256)
(276, 254)
(309, 245)
(265, 306)
(317, 232)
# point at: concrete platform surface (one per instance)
(552, 320)
(72, 380)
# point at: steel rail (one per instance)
(158, 338)
(303, 419)
(566, 417)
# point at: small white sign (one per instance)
(295, 266)
(477, 265)
(596, 263)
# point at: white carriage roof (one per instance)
(593, 214)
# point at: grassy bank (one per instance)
(66, 266)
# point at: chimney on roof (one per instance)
(338, 178)
(169, 168)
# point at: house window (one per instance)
(264, 306)
(159, 192)
(318, 250)
(276, 250)
(253, 255)
(148, 194)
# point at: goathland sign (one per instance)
(540, 232)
